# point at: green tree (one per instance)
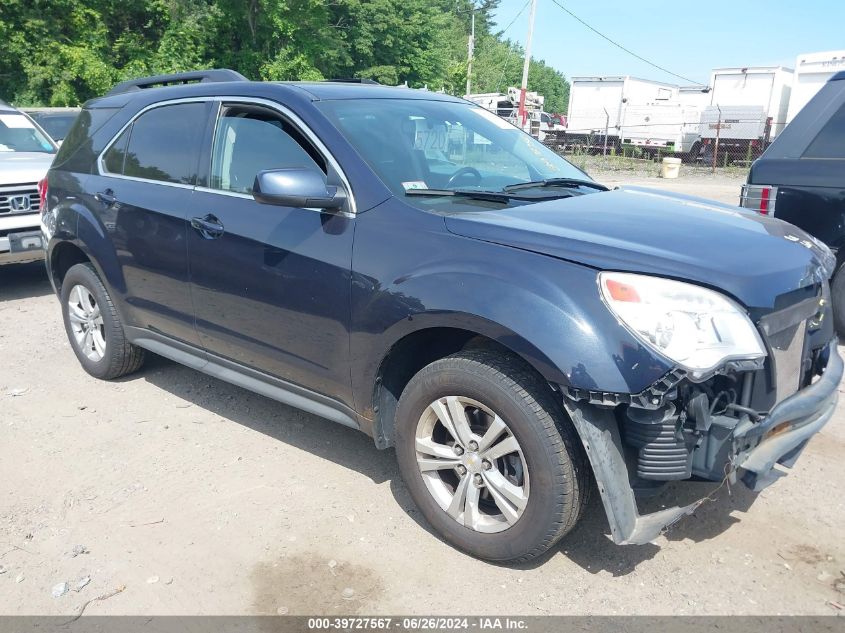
(62, 52)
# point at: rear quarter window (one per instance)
(830, 142)
(76, 152)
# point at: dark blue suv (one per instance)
(408, 264)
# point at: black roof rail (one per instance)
(353, 80)
(194, 76)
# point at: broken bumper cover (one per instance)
(777, 439)
(790, 424)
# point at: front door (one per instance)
(271, 284)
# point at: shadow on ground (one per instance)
(588, 545)
(23, 281)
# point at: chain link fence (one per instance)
(718, 140)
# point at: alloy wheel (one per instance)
(86, 323)
(472, 464)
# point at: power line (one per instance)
(627, 50)
(515, 18)
(510, 50)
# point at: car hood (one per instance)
(17, 168)
(752, 257)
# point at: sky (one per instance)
(687, 38)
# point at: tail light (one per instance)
(761, 198)
(42, 195)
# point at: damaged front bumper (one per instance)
(758, 447)
(790, 424)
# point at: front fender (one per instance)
(546, 310)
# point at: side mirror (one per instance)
(296, 187)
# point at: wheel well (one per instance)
(408, 356)
(64, 256)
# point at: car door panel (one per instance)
(147, 227)
(143, 195)
(271, 288)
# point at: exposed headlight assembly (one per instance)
(697, 328)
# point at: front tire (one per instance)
(93, 326)
(489, 457)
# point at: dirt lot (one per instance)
(198, 497)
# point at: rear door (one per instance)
(271, 284)
(143, 195)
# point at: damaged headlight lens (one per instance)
(697, 328)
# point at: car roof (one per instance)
(310, 91)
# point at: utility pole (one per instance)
(470, 53)
(522, 114)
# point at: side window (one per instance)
(164, 143)
(830, 142)
(249, 139)
(113, 159)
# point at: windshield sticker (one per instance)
(493, 118)
(15, 120)
(414, 184)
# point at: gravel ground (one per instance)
(191, 496)
(719, 186)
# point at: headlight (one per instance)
(698, 329)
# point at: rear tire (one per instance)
(543, 470)
(93, 326)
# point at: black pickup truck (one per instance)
(801, 179)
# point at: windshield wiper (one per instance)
(474, 194)
(503, 196)
(555, 182)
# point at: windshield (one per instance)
(18, 134)
(425, 145)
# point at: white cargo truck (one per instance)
(598, 108)
(812, 70)
(768, 87)
(665, 129)
(747, 111)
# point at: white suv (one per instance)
(26, 153)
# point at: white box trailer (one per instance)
(767, 87)
(812, 70)
(598, 105)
